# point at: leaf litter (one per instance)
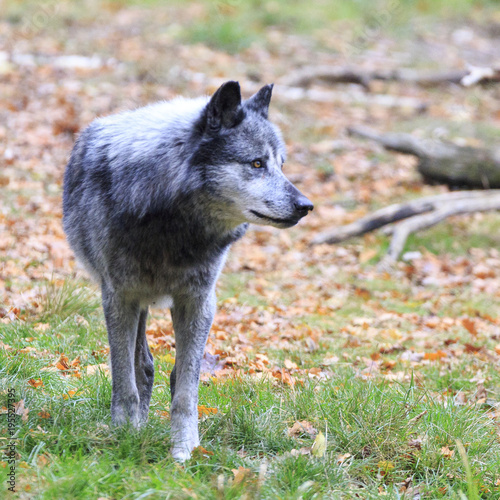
(281, 311)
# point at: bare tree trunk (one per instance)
(443, 162)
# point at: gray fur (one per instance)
(153, 199)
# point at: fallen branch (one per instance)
(351, 97)
(404, 229)
(443, 162)
(397, 212)
(304, 77)
(418, 214)
(308, 75)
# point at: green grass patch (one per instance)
(233, 25)
(378, 434)
(67, 299)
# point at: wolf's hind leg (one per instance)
(172, 383)
(122, 319)
(192, 318)
(144, 368)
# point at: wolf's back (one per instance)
(122, 168)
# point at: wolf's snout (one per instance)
(303, 206)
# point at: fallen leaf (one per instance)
(362, 293)
(63, 363)
(205, 410)
(386, 465)
(415, 443)
(305, 450)
(241, 474)
(472, 349)
(302, 427)
(167, 358)
(333, 360)
(35, 382)
(200, 452)
(41, 327)
(93, 369)
(76, 362)
(19, 407)
(42, 460)
(319, 445)
(446, 452)
(69, 394)
(434, 356)
(284, 376)
(27, 349)
(470, 326)
(163, 413)
(342, 458)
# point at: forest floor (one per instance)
(324, 376)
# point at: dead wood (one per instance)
(308, 75)
(443, 162)
(397, 212)
(351, 97)
(418, 214)
(487, 201)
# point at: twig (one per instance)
(397, 212)
(458, 207)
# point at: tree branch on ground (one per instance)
(443, 162)
(308, 75)
(418, 214)
(351, 97)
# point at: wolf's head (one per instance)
(241, 154)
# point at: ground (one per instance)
(324, 376)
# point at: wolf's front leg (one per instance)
(122, 319)
(192, 318)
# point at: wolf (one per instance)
(152, 201)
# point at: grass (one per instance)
(383, 434)
(453, 237)
(66, 299)
(234, 25)
(393, 432)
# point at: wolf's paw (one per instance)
(181, 454)
(125, 412)
(182, 448)
(184, 436)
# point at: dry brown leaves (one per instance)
(44, 104)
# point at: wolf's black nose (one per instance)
(304, 205)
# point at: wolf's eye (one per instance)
(257, 164)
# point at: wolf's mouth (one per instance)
(277, 221)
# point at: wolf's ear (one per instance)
(224, 108)
(260, 101)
